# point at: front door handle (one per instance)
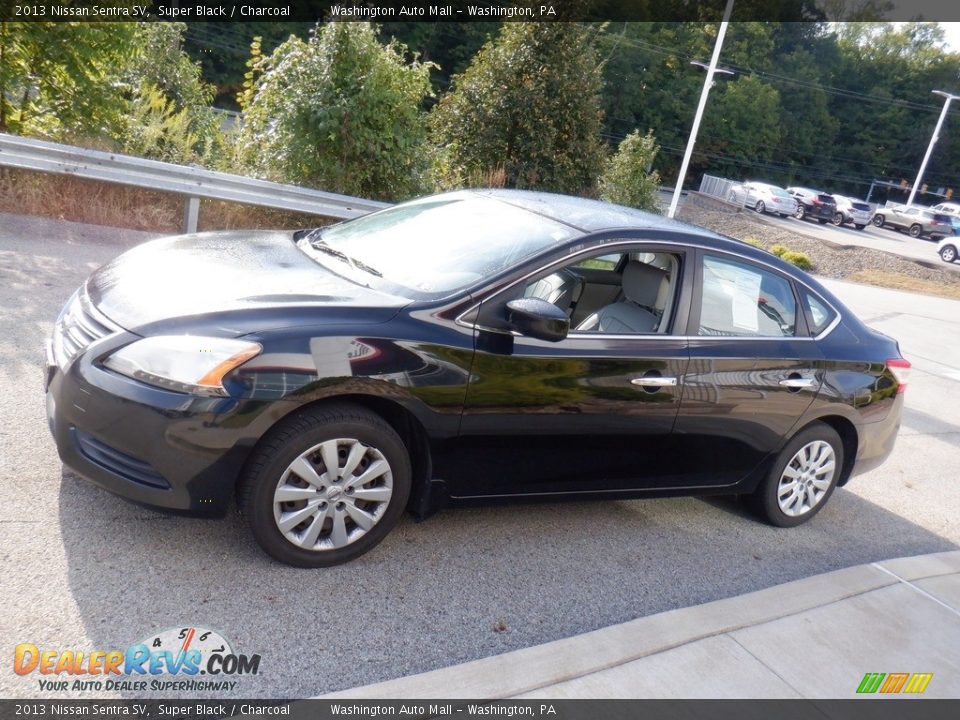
(798, 383)
(655, 381)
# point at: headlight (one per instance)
(184, 363)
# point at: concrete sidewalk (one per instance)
(812, 638)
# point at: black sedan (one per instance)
(462, 348)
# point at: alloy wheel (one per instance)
(806, 478)
(332, 494)
(948, 253)
(760, 207)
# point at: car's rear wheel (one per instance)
(800, 212)
(948, 253)
(838, 219)
(760, 207)
(326, 486)
(802, 478)
(915, 230)
(878, 220)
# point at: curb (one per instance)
(529, 669)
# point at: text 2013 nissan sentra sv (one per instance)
(463, 347)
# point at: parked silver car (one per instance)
(918, 221)
(852, 211)
(763, 197)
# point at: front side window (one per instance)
(740, 299)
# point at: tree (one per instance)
(169, 114)
(56, 78)
(339, 112)
(527, 108)
(627, 177)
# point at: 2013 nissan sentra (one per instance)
(461, 348)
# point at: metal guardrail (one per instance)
(192, 182)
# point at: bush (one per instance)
(527, 106)
(340, 112)
(801, 260)
(750, 240)
(626, 177)
(779, 250)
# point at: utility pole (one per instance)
(707, 83)
(933, 141)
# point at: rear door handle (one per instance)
(798, 383)
(655, 381)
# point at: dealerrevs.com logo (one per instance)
(180, 659)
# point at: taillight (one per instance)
(900, 369)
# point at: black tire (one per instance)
(859, 227)
(760, 207)
(763, 502)
(838, 219)
(878, 220)
(916, 230)
(948, 253)
(801, 212)
(285, 444)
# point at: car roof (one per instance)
(586, 215)
(590, 216)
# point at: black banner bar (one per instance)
(475, 10)
(866, 709)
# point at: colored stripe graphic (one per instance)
(894, 683)
(918, 682)
(870, 682)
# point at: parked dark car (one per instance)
(467, 347)
(813, 204)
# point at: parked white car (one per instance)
(853, 211)
(763, 197)
(947, 208)
(947, 248)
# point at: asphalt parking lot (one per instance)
(84, 570)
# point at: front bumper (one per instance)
(166, 450)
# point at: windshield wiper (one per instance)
(323, 247)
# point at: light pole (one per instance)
(707, 83)
(933, 141)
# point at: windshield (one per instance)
(433, 247)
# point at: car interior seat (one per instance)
(636, 311)
(562, 288)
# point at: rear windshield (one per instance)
(940, 217)
(860, 206)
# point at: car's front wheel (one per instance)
(915, 230)
(760, 207)
(878, 220)
(802, 479)
(326, 486)
(948, 253)
(800, 212)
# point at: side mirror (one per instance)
(538, 319)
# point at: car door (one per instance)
(753, 369)
(593, 413)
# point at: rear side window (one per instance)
(861, 206)
(820, 314)
(742, 300)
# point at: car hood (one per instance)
(208, 278)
